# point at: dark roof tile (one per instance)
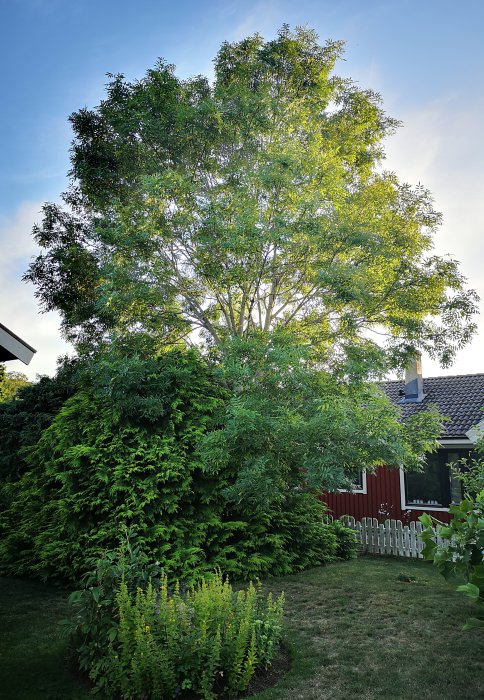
(460, 398)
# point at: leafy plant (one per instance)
(92, 626)
(24, 417)
(248, 203)
(470, 471)
(10, 383)
(125, 451)
(460, 558)
(347, 546)
(209, 640)
(287, 424)
(121, 453)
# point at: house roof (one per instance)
(460, 398)
(14, 348)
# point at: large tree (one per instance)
(250, 216)
(204, 211)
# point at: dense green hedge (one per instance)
(124, 451)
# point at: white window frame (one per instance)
(363, 489)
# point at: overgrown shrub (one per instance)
(119, 454)
(92, 626)
(124, 451)
(136, 638)
(24, 417)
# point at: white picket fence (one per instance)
(391, 537)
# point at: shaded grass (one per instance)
(33, 662)
(365, 630)
(374, 628)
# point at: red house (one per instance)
(392, 493)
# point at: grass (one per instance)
(369, 629)
(378, 628)
(32, 649)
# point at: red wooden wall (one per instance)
(382, 500)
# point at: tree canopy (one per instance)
(10, 383)
(202, 211)
(250, 216)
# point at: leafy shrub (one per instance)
(460, 558)
(347, 546)
(92, 626)
(276, 540)
(123, 451)
(137, 639)
(470, 471)
(114, 458)
(23, 418)
(208, 640)
(10, 383)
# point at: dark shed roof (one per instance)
(460, 398)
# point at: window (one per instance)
(359, 483)
(435, 487)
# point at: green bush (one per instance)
(24, 417)
(209, 640)
(150, 642)
(92, 626)
(347, 546)
(123, 452)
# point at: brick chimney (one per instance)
(414, 392)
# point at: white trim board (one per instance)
(15, 345)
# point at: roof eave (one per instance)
(14, 348)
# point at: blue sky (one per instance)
(426, 58)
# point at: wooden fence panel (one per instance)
(391, 537)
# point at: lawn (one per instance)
(372, 628)
(32, 648)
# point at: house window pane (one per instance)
(456, 491)
(435, 486)
(428, 487)
(358, 481)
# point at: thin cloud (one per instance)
(19, 310)
(440, 146)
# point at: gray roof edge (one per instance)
(17, 338)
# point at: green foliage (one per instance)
(209, 640)
(249, 215)
(470, 471)
(10, 383)
(136, 638)
(347, 546)
(288, 424)
(251, 203)
(109, 460)
(277, 539)
(125, 451)
(92, 626)
(24, 417)
(461, 557)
